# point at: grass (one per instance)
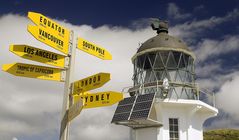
(221, 134)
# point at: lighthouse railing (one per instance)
(198, 93)
(207, 96)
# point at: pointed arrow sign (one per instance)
(49, 32)
(49, 38)
(49, 24)
(34, 71)
(75, 109)
(99, 99)
(90, 83)
(93, 49)
(39, 55)
(71, 113)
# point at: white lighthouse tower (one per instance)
(165, 102)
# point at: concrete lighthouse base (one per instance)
(190, 116)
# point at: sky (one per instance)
(30, 109)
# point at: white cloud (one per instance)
(226, 100)
(139, 24)
(195, 27)
(208, 68)
(209, 48)
(175, 12)
(227, 97)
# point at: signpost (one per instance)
(90, 83)
(35, 71)
(60, 38)
(99, 99)
(93, 49)
(39, 55)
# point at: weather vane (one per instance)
(159, 25)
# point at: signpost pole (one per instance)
(64, 133)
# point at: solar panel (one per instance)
(143, 114)
(142, 106)
(123, 109)
(121, 117)
(129, 100)
(145, 97)
(136, 107)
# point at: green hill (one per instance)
(221, 134)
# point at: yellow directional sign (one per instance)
(93, 49)
(51, 29)
(49, 38)
(75, 109)
(34, 71)
(90, 83)
(38, 55)
(48, 23)
(100, 99)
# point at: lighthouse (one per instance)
(165, 101)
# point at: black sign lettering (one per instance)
(96, 97)
(28, 50)
(47, 23)
(108, 96)
(91, 98)
(50, 37)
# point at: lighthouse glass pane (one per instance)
(140, 61)
(147, 76)
(158, 64)
(153, 77)
(171, 63)
(183, 75)
(177, 56)
(186, 58)
(173, 129)
(152, 57)
(147, 63)
(172, 75)
(182, 63)
(153, 67)
(184, 94)
(173, 94)
(164, 56)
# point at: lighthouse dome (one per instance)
(163, 42)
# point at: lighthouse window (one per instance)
(173, 129)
